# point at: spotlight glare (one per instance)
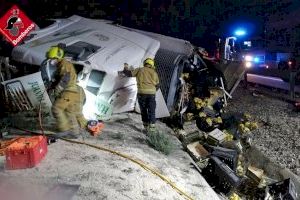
(248, 58)
(248, 64)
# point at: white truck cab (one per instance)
(98, 49)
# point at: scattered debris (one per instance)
(220, 146)
(221, 156)
(224, 179)
(228, 156)
(234, 196)
(255, 174)
(216, 137)
(283, 190)
(187, 138)
(197, 151)
(257, 94)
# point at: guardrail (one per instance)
(276, 83)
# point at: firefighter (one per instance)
(147, 84)
(70, 98)
(67, 107)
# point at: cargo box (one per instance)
(197, 151)
(216, 137)
(255, 173)
(26, 152)
(283, 190)
(219, 175)
(227, 156)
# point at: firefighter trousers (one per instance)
(67, 109)
(147, 106)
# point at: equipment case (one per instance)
(26, 152)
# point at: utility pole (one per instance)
(292, 84)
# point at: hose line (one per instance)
(136, 161)
(143, 165)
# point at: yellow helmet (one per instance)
(55, 52)
(149, 61)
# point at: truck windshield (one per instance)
(95, 81)
(251, 44)
(81, 50)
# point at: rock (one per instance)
(297, 171)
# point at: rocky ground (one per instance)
(278, 135)
(102, 175)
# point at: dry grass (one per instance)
(160, 142)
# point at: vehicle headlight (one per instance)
(248, 58)
(248, 64)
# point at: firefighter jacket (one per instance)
(66, 76)
(147, 79)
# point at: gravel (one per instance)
(278, 135)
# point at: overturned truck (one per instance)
(98, 49)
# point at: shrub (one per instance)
(160, 142)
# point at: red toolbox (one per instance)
(26, 152)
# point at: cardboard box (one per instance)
(197, 150)
(255, 173)
(26, 152)
(216, 137)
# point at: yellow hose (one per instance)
(143, 165)
(118, 154)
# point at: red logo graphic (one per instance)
(15, 25)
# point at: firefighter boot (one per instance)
(152, 128)
(146, 125)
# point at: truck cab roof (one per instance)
(97, 43)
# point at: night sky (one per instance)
(194, 20)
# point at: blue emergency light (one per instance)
(240, 32)
(256, 59)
